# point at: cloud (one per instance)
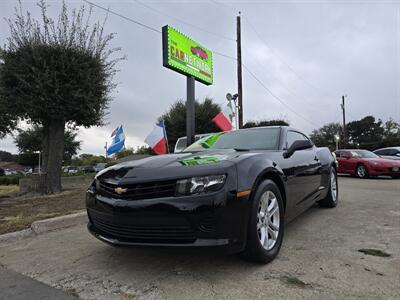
(317, 51)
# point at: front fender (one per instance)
(254, 169)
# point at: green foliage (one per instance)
(28, 159)
(55, 70)
(88, 159)
(263, 123)
(10, 180)
(123, 153)
(30, 140)
(6, 156)
(144, 150)
(325, 136)
(175, 119)
(55, 73)
(366, 133)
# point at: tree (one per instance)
(325, 136)
(175, 119)
(365, 133)
(123, 153)
(30, 141)
(5, 156)
(263, 123)
(85, 159)
(391, 134)
(55, 73)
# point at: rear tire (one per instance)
(266, 224)
(361, 171)
(332, 197)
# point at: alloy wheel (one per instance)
(333, 186)
(268, 220)
(361, 172)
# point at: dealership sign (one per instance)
(184, 55)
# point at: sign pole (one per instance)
(190, 112)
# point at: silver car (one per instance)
(389, 153)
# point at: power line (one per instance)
(276, 97)
(270, 48)
(123, 17)
(184, 22)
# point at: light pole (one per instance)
(337, 141)
(233, 98)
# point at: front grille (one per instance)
(139, 191)
(146, 234)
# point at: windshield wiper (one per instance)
(241, 149)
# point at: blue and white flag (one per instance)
(118, 142)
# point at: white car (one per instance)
(180, 144)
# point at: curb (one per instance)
(43, 226)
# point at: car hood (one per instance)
(387, 162)
(174, 165)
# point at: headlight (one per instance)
(197, 185)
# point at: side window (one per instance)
(294, 136)
(392, 152)
(382, 152)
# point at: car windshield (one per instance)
(247, 139)
(363, 154)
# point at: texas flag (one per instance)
(222, 122)
(157, 139)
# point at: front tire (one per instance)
(266, 224)
(361, 171)
(331, 198)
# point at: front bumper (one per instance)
(217, 219)
(389, 171)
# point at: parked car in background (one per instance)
(71, 170)
(389, 153)
(180, 144)
(234, 190)
(2, 173)
(99, 167)
(88, 169)
(364, 163)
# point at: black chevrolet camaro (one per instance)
(232, 190)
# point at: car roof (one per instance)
(386, 148)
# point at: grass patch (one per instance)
(374, 252)
(8, 190)
(294, 281)
(72, 292)
(17, 212)
(127, 296)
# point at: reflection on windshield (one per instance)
(249, 139)
(363, 154)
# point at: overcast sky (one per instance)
(307, 53)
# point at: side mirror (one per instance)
(296, 146)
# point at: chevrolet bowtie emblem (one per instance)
(119, 190)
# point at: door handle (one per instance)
(316, 158)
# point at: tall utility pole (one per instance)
(239, 71)
(344, 122)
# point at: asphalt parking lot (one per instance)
(320, 258)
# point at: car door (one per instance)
(345, 162)
(303, 174)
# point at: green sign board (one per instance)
(183, 55)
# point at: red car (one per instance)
(199, 52)
(363, 163)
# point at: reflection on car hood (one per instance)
(171, 164)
